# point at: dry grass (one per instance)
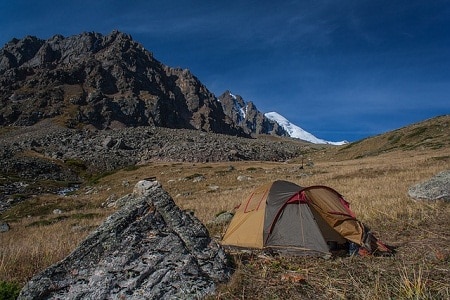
(376, 187)
(31, 245)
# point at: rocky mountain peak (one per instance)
(34, 52)
(105, 81)
(247, 116)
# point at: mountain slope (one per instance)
(431, 134)
(104, 81)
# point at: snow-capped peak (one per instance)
(296, 132)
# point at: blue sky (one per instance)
(338, 69)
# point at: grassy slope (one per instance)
(429, 134)
(371, 175)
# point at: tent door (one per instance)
(296, 228)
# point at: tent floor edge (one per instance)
(296, 251)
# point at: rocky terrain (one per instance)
(113, 82)
(49, 158)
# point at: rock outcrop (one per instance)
(436, 188)
(149, 249)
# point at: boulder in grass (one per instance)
(148, 249)
(436, 188)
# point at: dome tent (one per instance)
(287, 218)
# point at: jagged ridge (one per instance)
(105, 81)
(111, 81)
(248, 117)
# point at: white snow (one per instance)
(242, 111)
(296, 132)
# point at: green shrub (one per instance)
(81, 216)
(417, 131)
(77, 164)
(95, 178)
(195, 175)
(9, 290)
(131, 168)
(394, 139)
(47, 222)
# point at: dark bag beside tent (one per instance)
(288, 218)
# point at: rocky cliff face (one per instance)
(247, 116)
(148, 249)
(106, 81)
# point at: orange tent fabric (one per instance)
(286, 217)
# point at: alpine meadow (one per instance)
(373, 175)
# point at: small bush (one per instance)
(417, 131)
(47, 222)
(394, 139)
(76, 164)
(9, 290)
(81, 216)
(19, 197)
(131, 168)
(190, 177)
(94, 179)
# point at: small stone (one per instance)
(143, 187)
(108, 142)
(223, 218)
(198, 179)
(243, 178)
(4, 227)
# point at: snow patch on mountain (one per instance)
(240, 107)
(296, 132)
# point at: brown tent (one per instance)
(285, 217)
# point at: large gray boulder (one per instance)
(149, 249)
(436, 188)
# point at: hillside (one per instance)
(431, 134)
